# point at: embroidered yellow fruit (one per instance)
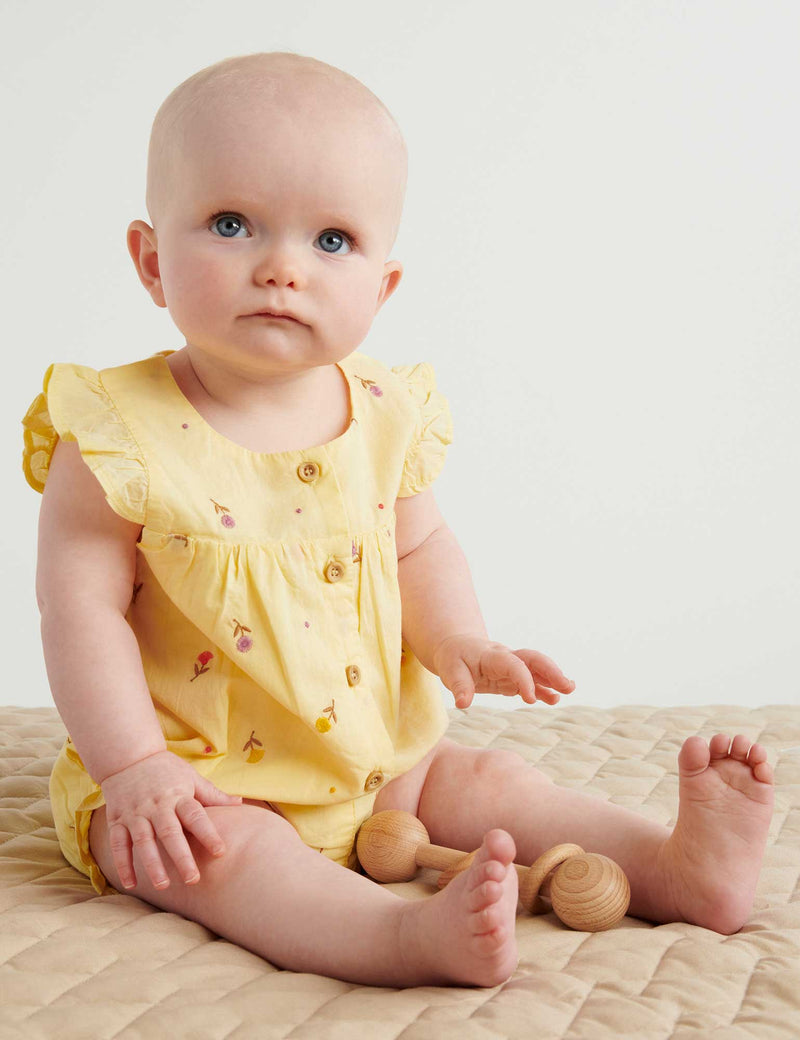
(323, 724)
(255, 747)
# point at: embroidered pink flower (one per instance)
(200, 665)
(371, 385)
(240, 634)
(224, 514)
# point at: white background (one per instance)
(601, 255)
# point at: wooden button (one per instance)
(308, 472)
(353, 674)
(375, 779)
(334, 571)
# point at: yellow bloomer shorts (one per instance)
(74, 796)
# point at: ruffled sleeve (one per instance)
(433, 433)
(75, 406)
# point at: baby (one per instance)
(228, 534)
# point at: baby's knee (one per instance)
(499, 765)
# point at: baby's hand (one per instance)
(159, 797)
(468, 665)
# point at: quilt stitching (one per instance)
(583, 747)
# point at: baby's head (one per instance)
(275, 182)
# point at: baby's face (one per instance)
(291, 213)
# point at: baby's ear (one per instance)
(143, 247)
(392, 273)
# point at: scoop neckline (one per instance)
(233, 445)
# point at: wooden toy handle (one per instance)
(436, 857)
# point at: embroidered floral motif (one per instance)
(181, 538)
(356, 553)
(243, 641)
(255, 747)
(371, 385)
(200, 668)
(224, 514)
(323, 724)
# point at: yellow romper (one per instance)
(266, 603)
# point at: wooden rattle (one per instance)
(588, 892)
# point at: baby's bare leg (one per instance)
(273, 895)
(705, 871)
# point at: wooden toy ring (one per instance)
(532, 879)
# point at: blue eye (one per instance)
(230, 224)
(334, 242)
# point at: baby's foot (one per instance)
(713, 857)
(466, 934)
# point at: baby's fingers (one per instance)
(169, 827)
(119, 841)
(198, 823)
(146, 851)
(458, 679)
(545, 672)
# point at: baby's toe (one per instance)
(758, 753)
(499, 845)
(486, 919)
(693, 756)
(740, 747)
(719, 745)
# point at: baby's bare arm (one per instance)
(84, 584)
(442, 621)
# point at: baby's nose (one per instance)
(281, 267)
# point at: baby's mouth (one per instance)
(271, 316)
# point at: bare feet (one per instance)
(466, 934)
(713, 857)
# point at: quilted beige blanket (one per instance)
(79, 965)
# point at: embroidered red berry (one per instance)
(200, 664)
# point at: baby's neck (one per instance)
(281, 413)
